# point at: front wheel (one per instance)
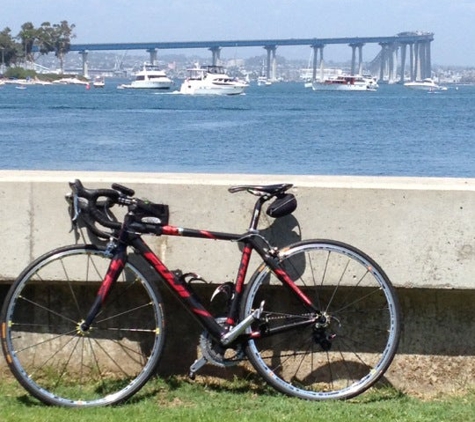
(339, 351)
(58, 362)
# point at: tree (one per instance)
(45, 38)
(27, 36)
(10, 50)
(62, 35)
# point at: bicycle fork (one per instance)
(115, 268)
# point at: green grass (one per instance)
(210, 399)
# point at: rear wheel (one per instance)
(61, 364)
(348, 347)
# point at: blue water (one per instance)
(281, 129)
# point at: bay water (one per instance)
(279, 129)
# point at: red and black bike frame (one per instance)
(250, 240)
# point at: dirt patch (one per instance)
(431, 376)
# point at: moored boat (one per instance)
(211, 80)
(99, 82)
(371, 82)
(426, 84)
(263, 81)
(150, 77)
(70, 81)
(345, 83)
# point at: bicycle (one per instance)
(83, 325)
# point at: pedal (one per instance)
(197, 365)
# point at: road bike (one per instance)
(84, 325)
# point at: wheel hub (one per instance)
(322, 334)
(82, 330)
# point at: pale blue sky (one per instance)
(452, 22)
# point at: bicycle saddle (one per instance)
(260, 189)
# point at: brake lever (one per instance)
(76, 209)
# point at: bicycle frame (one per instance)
(252, 241)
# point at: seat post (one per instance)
(256, 213)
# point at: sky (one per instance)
(110, 21)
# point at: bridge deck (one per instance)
(403, 39)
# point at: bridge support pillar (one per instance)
(153, 56)
(428, 60)
(315, 49)
(322, 65)
(393, 60)
(216, 55)
(412, 76)
(417, 62)
(425, 59)
(403, 62)
(382, 66)
(353, 58)
(316, 63)
(85, 71)
(271, 65)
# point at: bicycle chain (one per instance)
(215, 354)
(286, 316)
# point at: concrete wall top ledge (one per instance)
(353, 182)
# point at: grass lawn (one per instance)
(211, 399)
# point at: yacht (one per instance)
(263, 81)
(371, 82)
(426, 84)
(211, 80)
(345, 83)
(150, 77)
(99, 82)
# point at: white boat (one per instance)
(263, 81)
(345, 83)
(150, 77)
(307, 83)
(371, 82)
(99, 82)
(70, 81)
(426, 84)
(211, 80)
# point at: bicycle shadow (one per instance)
(282, 231)
(243, 378)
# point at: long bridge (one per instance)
(391, 59)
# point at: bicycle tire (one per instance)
(60, 364)
(349, 350)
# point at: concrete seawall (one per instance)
(421, 231)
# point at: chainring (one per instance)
(216, 354)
